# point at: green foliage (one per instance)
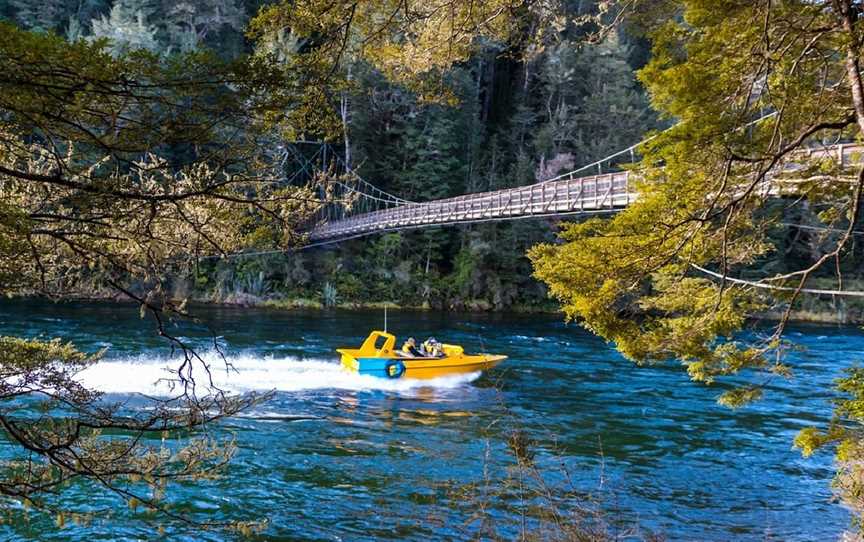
(846, 433)
(21, 355)
(498, 136)
(329, 295)
(43, 16)
(64, 432)
(126, 29)
(631, 279)
(75, 169)
(635, 279)
(161, 26)
(740, 397)
(116, 169)
(595, 104)
(411, 42)
(464, 268)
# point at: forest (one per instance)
(516, 117)
(518, 114)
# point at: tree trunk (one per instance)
(849, 17)
(345, 113)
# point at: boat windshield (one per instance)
(380, 341)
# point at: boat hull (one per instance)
(419, 368)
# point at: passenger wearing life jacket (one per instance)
(431, 348)
(410, 348)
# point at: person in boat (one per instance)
(432, 348)
(410, 348)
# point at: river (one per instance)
(335, 456)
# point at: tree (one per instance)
(411, 43)
(749, 84)
(126, 29)
(124, 167)
(164, 26)
(123, 164)
(594, 105)
(47, 16)
(189, 24)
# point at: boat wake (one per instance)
(148, 374)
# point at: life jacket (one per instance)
(432, 349)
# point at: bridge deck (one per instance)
(597, 193)
(563, 195)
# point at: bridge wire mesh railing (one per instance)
(343, 193)
(379, 214)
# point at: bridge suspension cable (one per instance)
(631, 150)
(356, 196)
(352, 207)
(763, 286)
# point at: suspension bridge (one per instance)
(356, 208)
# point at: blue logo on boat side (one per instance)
(381, 367)
(394, 368)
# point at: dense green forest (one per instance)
(519, 115)
(513, 124)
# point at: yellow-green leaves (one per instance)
(412, 43)
(739, 397)
(403, 39)
(634, 279)
(845, 432)
(851, 406)
(121, 167)
(23, 354)
(124, 169)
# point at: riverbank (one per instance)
(840, 314)
(817, 310)
(838, 311)
(471, 305)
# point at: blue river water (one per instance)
(336, 456)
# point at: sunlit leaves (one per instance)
(632, 278)
(117, 166)
(412, 43)
(844, 431)
(67, 432)
(121, 170)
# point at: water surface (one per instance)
(335, 456)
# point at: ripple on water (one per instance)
(337, 455)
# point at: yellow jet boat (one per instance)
(378, 356)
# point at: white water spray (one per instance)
(251, 372)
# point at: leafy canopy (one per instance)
(633, 278)
(126, 164)
(411, 42)
(637, 279)
(124, 167)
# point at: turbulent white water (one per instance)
(249, 372)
